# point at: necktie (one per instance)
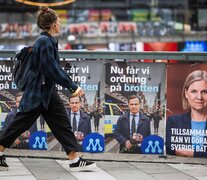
(74, 122)
(133, 125)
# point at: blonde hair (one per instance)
(194, 76)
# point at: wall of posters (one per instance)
(130, 108)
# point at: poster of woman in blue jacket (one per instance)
(186, 133)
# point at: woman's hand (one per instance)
(78, 92)
(81, 93)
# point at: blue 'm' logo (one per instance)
(93, 143)
(153, 144)
(38, 141)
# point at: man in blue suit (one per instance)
(132, 128)
(80, 121)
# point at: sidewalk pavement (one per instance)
(44, 165)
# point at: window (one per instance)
(116, 110)
(4, 108)
(107, 110)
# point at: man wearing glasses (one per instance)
(132, 128)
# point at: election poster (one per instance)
(186, 127)
(124, 80)
(89, 75)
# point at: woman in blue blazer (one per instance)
(186, 134)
